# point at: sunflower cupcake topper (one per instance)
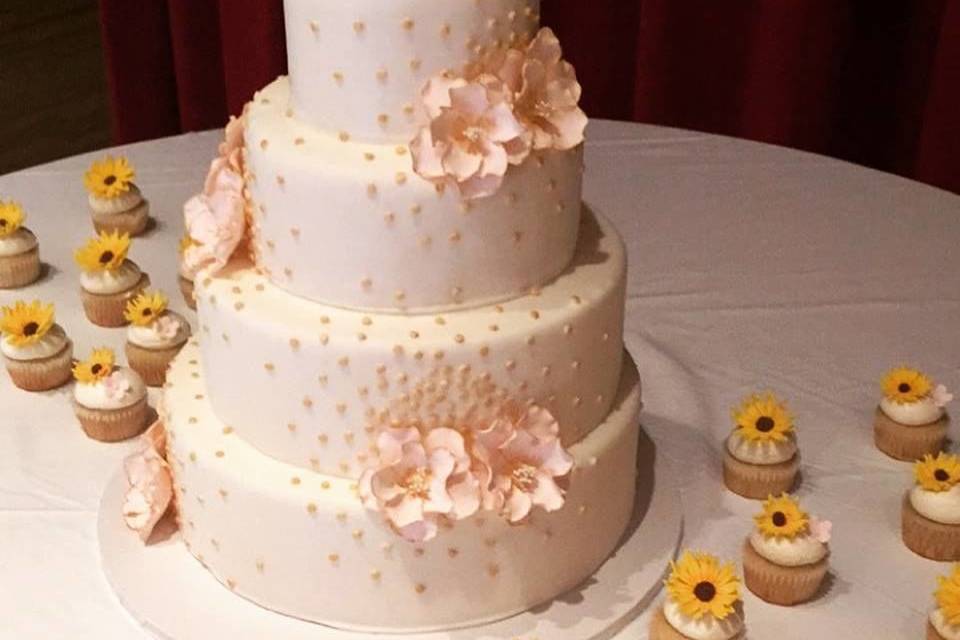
(106, 252)
(11, 218)
(904, 385)
(109, 178)
(25, 324)
(97, 367)
(937, 474)
(947, 596)
(701, 586)
(763, 418)
(146, 308)
(782, 517)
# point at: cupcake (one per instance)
(761, 454)
(110, 401)
(910, 421)
(185, 278)
(37, 351)
(116, 204)
(702, 601)
(785, 559)
(108, 280)
(930, 520)
(19, 253)
(154, 337)
(943, 623)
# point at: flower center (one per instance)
(147, 312)
(903, 387)
(109, 180)
(3, 222)
(95, 369)
(941, 475)
(30, 328)
(765, 424)
(779, 519)
(417, 483)
(106, 257)
(473, 133)
(524, 477)
(705, 591)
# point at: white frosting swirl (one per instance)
(17, 243)
(939, 506)
(924, 411)
(98, 396)
(706, 628)
(799, 551)
(123, 202)
(761, 452)
(49, 345)
(944, 628)
(106, 282)
(158, 336)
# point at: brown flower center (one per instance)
(30, 328)
(765, 424)
(95, 369)
(147, 312)
(109, 180)
(3, 222)
(941, 475)
(106, 257)
(903, 387)
(779, 519)
(705, 591)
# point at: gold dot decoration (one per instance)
(359, 27)
(408, 24)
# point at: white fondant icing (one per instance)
(354, 62)
(706, 628)
(280, 535)
(761, 452)
(334, 370)
(335, 227)
(49, 345)
(17, 243)
(96, 396)
(108, 282)
(939, 506)
(946, 630)
(924, 411)
(786, 552)
(151, 337)
(120, 204)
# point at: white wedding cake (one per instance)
(408, 406)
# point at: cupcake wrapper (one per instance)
(133, 221)
(113, 425)
(107, 311)
(186, 288)
(933, 540)
(759, 481)
(151, 364)
(20, 270)
(43, 375)
(778, 584)
(932, 633)
(904, 442)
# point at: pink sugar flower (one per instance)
(150, 490)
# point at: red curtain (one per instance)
(873, 82)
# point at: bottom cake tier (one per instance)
(300, 543)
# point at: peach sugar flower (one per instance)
(150, 483)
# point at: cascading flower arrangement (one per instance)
(492, 116)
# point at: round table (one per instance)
(752, 267)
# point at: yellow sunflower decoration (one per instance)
(145, 308)
(106, 252)
(937, 474)
(24, 324)
(11, 218)
(97, 367)
(109, 177)
(782, 518)
(763, 419)
(948, 595)
(904, 385)
(701, 586)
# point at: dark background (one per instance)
(872, 81)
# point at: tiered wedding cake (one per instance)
(408, 406)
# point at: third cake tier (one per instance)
(311, 385)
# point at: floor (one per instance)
(53, 92)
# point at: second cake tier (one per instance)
(312, 385)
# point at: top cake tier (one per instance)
(357, 67)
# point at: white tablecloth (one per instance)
(751, 267)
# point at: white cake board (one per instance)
(173, 597)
